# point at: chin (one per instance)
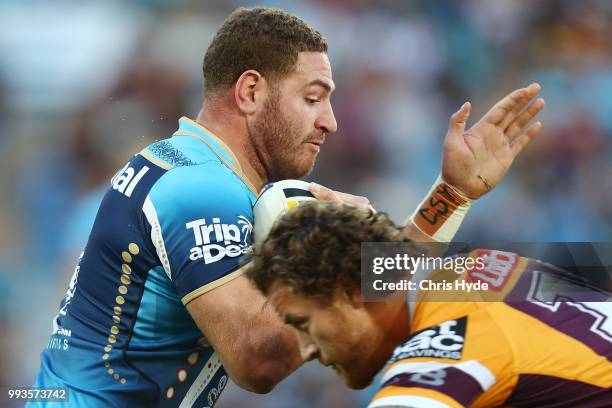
(357, 382)
(307, 167)
(296, 170)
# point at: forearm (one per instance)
(272, 349)
(255, 347)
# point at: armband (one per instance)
(440, 215)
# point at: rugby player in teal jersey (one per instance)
(158, 312)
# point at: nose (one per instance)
(309, 352)
(326, 121)
(308, 349)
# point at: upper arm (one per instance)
(449, 365)
(431, 384)
(201, 225)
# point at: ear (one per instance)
(353, 295)
(248, 86)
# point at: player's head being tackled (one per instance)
(309, 268)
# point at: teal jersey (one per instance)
(175, 222)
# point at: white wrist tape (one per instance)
(441, 213)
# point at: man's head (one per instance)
(309, 268)
(276, 68)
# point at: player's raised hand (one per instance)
(474, 161)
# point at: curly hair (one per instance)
(317, 245)
(261, 38)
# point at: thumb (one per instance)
(458, 119)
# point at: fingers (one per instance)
(506, 110)
(322, 193)
(531, 134)
(459, 119)
(357, 201)
(518, 125)
(326, 194)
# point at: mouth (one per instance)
(315, 144)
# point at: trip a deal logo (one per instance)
(215, 240)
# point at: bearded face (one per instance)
(283, 142)
(290, 127)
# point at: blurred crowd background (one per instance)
(86, 84)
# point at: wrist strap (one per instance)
(440, 215)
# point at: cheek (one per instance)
(324, 331)
(335, 336)
(326, 335)
(300, 117)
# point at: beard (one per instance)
(278, 143)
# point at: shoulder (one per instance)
(473, 344)
(447, 364)
(206, 184)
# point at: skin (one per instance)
(275, 129)
(486, 149)
(352, 337)
(356, 338)
(288, 135)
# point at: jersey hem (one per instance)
(210, 286)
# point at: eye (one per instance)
(298, 323)
(300, 326)
(312, 101)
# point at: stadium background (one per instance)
(83, 85)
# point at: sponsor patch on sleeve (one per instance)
(216, 240)
(442, 341)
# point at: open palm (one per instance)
(474, 161)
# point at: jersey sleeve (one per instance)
(453, 364)
(201, 222)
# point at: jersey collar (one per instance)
(189, 127)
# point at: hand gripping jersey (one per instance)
(542, 351)
(175, 223)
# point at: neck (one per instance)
(229, 125)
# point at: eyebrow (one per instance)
(325, 85)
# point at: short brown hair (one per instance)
(316, 245)
(261, 38)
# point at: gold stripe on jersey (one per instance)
(211, 285)
(393, 391)
(151, 157)
(214, 136)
